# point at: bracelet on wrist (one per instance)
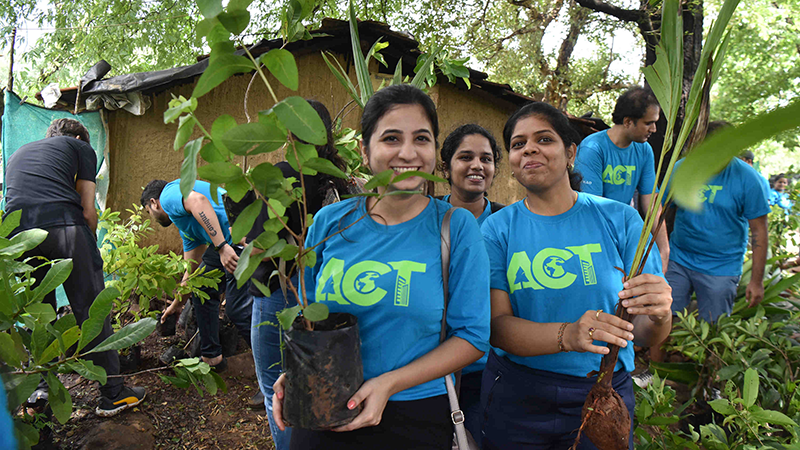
(217, 248)
(561, 329)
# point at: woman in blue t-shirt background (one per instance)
(381, 261)
(777, 193)
(469, 158)
(554, 288)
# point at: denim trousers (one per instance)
(237, 306)
(715, 294)
(267, 354)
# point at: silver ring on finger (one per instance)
(597, 314)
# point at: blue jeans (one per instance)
(715, 294)
(237, 306)
(267, 354)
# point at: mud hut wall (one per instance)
(141, 147)
(457, 106)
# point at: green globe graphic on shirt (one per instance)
(552, 265)
(365, 283)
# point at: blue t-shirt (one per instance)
(555, 268)
(779, 198)
(487, 211)
(192, 233)
(390, 277)
(613, 172)
(713, 242)
(480, 364)
(7, 440)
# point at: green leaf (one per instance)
(41, 312)
(298, 153)
(127, 336)
(750, 391)
(210, 8)
(282, 66)
(325, 166)
(220, 382)
(189, 166)
(246, 220)
(10, 223)
(185, 130)
(416, 173)
(687, 373)
(88, 370)
(235, 21)
(178, 106)
(220, 69)
(220, 172)
(359, 62)
(54, 278)
(722, 406)
(316, 312)
(8, 351)
(237, 189)
(59, 398)
(422, 73)
(379, 180)
(222, 125)
(267, 178)
(263, 137)
(20, 387)
(246, 265)
(98, 312)
(60, 345)
(774, 417)
(340, 74)
(261, 287)
(22, 242)
(717, 150)
(398, 73)
(302, 120)
(286, 316)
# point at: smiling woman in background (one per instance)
(469, 159)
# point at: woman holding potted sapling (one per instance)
(469, 159)
(386, 270)
(554, 290)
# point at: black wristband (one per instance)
(219, 247)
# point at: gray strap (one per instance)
(456, 415)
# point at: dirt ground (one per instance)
(169, 417)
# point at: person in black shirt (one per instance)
(53, 182)
(321, 189)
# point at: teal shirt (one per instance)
(192, 233)
(713, 242)
(612, 172)
(555, 268)
(390, 277)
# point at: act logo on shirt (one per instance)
(618, 174)
(359, 283)
(708, 193)
(548, 271)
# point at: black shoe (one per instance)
(127, 398)
(37, 402)
(221, 366)
(256, 401)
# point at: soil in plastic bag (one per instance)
(323, 370)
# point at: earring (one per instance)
(513, 174)
(570, 166)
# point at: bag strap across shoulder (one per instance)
(445, 269)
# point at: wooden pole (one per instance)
(10, 85)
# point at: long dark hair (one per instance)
(329, 152)
(456, 137)
(557, 120)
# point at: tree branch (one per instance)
(626, 15)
